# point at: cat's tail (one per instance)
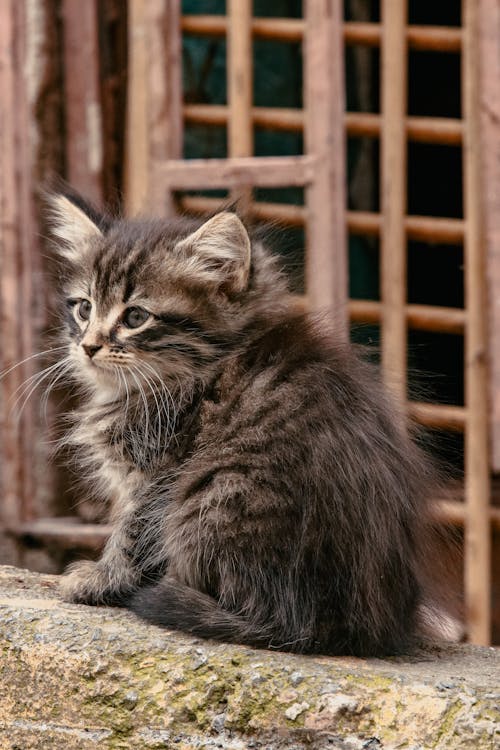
(172, 604)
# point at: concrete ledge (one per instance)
(82, 677)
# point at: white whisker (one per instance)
(32, 356)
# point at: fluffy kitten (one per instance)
(265, 492)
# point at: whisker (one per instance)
(30, 387)
(32, 356)
(37, 377)
(51, 386)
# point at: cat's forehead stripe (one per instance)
(117, 268)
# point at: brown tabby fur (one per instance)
(264, 490)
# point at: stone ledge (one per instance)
(83, 677)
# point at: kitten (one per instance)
(265, 491)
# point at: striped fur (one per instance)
(263, 491)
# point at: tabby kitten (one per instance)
(264, 491)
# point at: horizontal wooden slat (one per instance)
(436, 130)
(259, 171)
(439, 416)
(422, 228)
(283, 213)
(66, 533)
(433, 229)
(282, 29)
(436, 38)
(273, 118)
(419, 317)
(454, 512)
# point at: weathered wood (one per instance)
(32, 320)
(164, 85)
(66, 533)
(22, 313)
(326, 257)
(477, 540)
(262, 171)
(84, 143)
(393, 195)
(10, 279)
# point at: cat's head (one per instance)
(152, 298)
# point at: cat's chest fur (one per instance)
(120, 452)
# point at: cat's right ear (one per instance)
(73, 224)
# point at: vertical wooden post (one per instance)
(477, 481)
(137, 132)
(21, 297)
(394, 64)
(164, 105)
(489, 63)
(29, 74)
(84, 151)
(326, 258)
(240, 87)
(10, 311)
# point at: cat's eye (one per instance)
(135, 317)
(84, 309)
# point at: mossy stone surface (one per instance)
(83, 677)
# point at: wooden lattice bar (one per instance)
(262, 171)
(326, 258)
(137, 142)
(439, 416)
(418, 317)
(442, 39)
(240, 90)
(240, 78)
(489, 71)
(438, 130)
(477, 539)
(422, 228)
(393, 194)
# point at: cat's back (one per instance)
(299, 408)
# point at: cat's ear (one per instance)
(218, 253)
(73, 223)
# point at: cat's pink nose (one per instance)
(91, 349)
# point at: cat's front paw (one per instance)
(90, 583)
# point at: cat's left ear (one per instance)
(73, 224)
(218, 253)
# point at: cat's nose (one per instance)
(91, 349)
